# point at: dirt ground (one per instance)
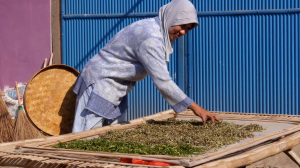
(280, 160)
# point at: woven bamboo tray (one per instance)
(49, 100)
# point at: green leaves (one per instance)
(105, 145)
(171, 137)
(191, 132)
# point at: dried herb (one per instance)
(171, 137)
(105, 145)
(191, 132)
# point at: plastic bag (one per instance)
(160, 163)
(139, 161)
(11, 99)
(144, 162)
(126, 160)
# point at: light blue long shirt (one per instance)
(133, 53)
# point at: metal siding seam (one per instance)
(278, 91)
(289, 66)
(228, 39)
(222, 53)
(205, 62)
(218, 65)
(246, 66)
(271, 63)
(243, 67)
(226, 34)
(238, 66)
(71, 44)
(84, 39)
(285, 67)
(294, 70)
(297, 52)
(197, 59)
(230, 79)
(262, 64)
(267, 67)
(234, 72)
(214, 99)
(211, 68)
(190, 70)
(254, 31)
(200, 59)
(80, 40)
(251, 64)
(282, 64)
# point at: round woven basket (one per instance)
(49, 100)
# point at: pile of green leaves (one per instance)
(191, 132)
(171, 137)
(105, 145)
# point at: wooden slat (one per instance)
(257, 154)
(50, 159)
(74, 163)
(66, 152)
(3, 154)
(247, 116)
(20, 160)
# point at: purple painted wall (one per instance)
(24, 39)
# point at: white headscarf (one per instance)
(177, 12)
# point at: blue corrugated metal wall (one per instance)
(246, 60)
(239, 61)
(246, 63)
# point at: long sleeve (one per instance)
(151, 55)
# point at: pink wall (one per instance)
(24, 39)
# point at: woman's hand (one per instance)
(203, 114)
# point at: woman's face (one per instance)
(176, 31)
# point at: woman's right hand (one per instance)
(204, 114)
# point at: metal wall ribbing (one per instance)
(243, 57)
(246, 63)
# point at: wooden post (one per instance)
(293, 156)
(45, 63)
(51, 59)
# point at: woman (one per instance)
(139, 49)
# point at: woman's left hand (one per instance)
(204, 114)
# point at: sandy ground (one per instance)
(280, 160)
